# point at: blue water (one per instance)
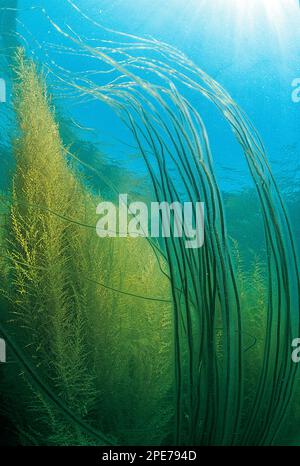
(251, 49)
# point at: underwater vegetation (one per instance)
(66, 320)
(133, 341)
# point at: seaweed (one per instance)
(198, 360)
(56, 271)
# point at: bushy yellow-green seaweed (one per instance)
(106, 353)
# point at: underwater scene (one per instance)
(150, 222)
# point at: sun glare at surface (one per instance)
(253, 20)
(274, 10)
(251, 10)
